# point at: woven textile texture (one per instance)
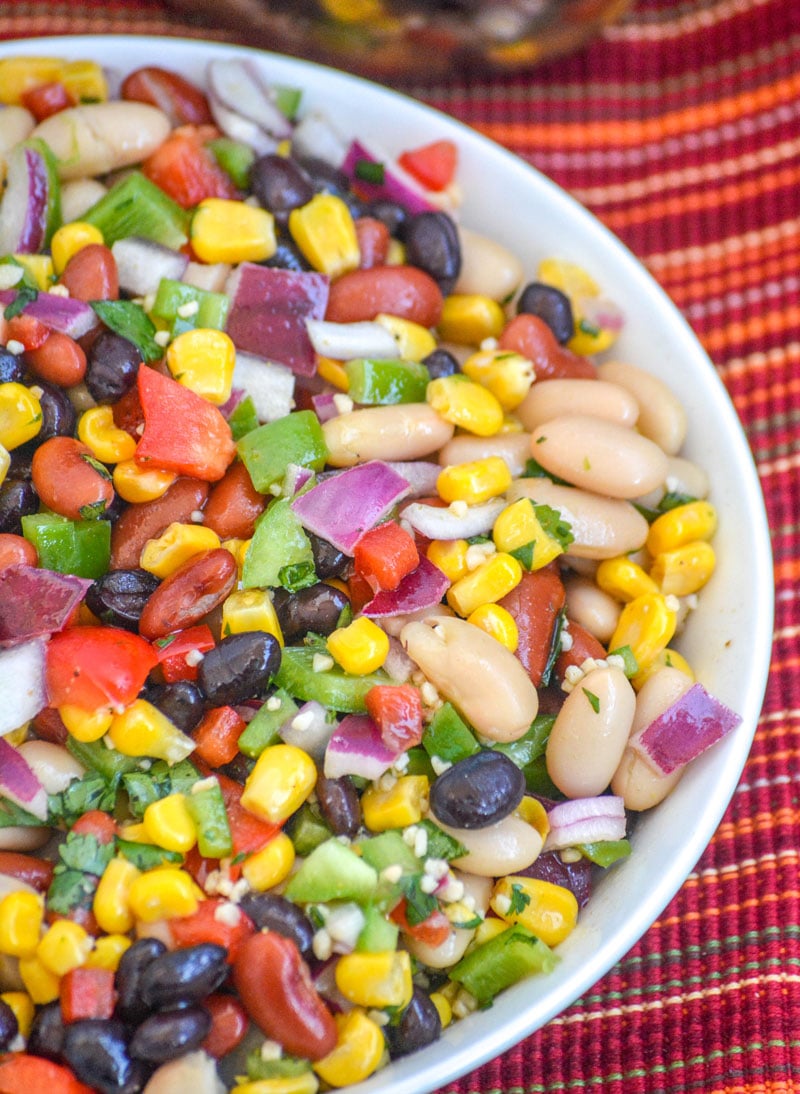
(679, 129)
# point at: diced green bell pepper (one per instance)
(383, 382)
(502, 961)
(279, 541)
(307, 830)
(80, 547)
(605, 852)
(108, 762)
(243, 419)
(334, 688)
(267, 451)
(532, 744)
(378, 935)
(207, 809)
(262, 730)
(172, 296)
(332, 872)
(448, 736)
(235, 158)
(135, 206)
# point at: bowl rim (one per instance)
(468, 1044)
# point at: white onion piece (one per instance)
(309, 729)
(239, 86)
(315, 135)
(141, 264)
(22, 686)
(345, 341)
(269, 385)
(585, 820)
(239, 128)
(437, 523)
(421, 475)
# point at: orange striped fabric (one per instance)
(679, 129)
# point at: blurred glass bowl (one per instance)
(413, 39)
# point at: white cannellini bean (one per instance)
(195, 1072)
(599, 455)
(477, 674)
(23, 838)
(550, 399)
(638, 784)
(408, 431)
(602, 527)
(53, 766)
(487, 267)
(514, 448)
(591, 607)
(662, 417)
(590, 732)
(78, 196)
(506, 847)
(96, 138)
(683, 477)
(16, 124)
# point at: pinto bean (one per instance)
(399, 290)
(600, 398)
(189, 594)
(60, 360)
(662, 417)
(409, 431)
(91, 274)
(487, 267)
(514, 448)
(148, 519)
(96, 138)
(69, 480)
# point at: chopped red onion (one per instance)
(420, 589)
(693, 723)
(18, 782)
(324, 405)
(435, 522)
(397, 184)
(36, 602)
(235, 397)
(62, 313)
(309, 729)
(356, 748)
(22, 684)
(585, 820)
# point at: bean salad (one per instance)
(341, 565)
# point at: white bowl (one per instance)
(728, 638)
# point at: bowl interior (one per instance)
(728, 638)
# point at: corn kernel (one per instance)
(358, 1053)
(69, 239)
(271, 865)
(202, 360)
(508, 375)
(474, 482)
(443, 1008)
(232, 231)
(20, 415)
(324, 231)
(97, 430)
(624, 579)
(304, 1083)
(280, 782)
(681, 525)
(469, 318)
(360, 648)
(667, 658)
(85, 81)
(250, 610)
(398, 806)
(20, 74)
(450, 555)
(685, 570)
(498, 622)
(486, 584)
(534, 813)
(21, 918)
(169, 824)
(176, 545)
(468, 405)
(163, 893)
(86, 725)
(22, 1006)
(40, 268)
(414, 342)
(40, 983)
(136, 484)
(549, 911)
(142, 730)
(517, 527)
(65, 945)
(647, 625)
(134, 833)
(375, 979)
(333, 372)
(107, 951)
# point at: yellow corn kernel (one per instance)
(468, 318)
(647, 625)
(468, 405)
(203, 361)
(402, 804)
(21, 918)
(250, 610)
(238, 548)
(667, 658)
(518, 526)
(375, 979)
(85, 81)
(450, 556)
(475, 481)
(176, 545)
(534, 813)
(20, 74)
(280, 782)
(142, 730)
(508, 375)
(304, 1083)
(271, 865)
(40, 983)
(324, 231)
(685, 570)
(333, 372)
(397, 253)
(65, 945)
(163, 893)
(498, 622)
(40, 268)
(232, 231)
(69, 239)
(134, 833)
(486, 931)
(22, 1006)
(414, 342)
(109, 444)
(486, 584)
(20, 415)
(135, 484)
(107, 951)
(681, 525)
(358, 1053)
(624, 579)
(86, 725)
(360, 648)
(549, 911)
(169, 824)
(442, 1004)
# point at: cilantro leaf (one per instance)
(83, 851)
(553, 525)
(25, 295)
(419, 905)
(14, 816)
(298, 576)
(519, 900)
(82, 795)
(70, 889)
(524, 554)
(129, 321)
(146, 855)
(440, 843)
(594, 700)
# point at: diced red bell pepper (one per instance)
(28, 330)
(433, 165)
(584, 645)
(396, 709)
(204, 926)
(535, 604)
(385, 554)
(248, 832)
(94, 667)
(185, 169)
(87, 992)
(172, 650)
(432, 931)
(23, 1074)
(217, 736)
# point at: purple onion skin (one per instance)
(578, 876)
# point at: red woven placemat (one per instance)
(679, 129)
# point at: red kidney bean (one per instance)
(531, 336)
(535, 604)
(234, 505)
(404, 291)
(69, 480)
(36, 872)
(16, 551)
(373, 241)
(148, 519)
(128, 413)
(181, 101)
(59, 359)
(189, 594)
(49, 726)
(228, 1025)
(478, 790)
(274, 984)
(91, 274)
(584, 645)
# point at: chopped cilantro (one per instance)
(534, 470)
(519, 900)
(82, 795)
(130, 321)
(419, 905)
(369, 171)
(524, 554)
(95, 464)
(553, 524)
(83, 851)
(298, 576)
(70, 889)
(14, 816)
(147, 855)
(594, 700)
(631, 665)
(440, 843)
(24, 296)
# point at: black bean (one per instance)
(390, 213)
(280, 915)
(280, 184)
(317, 608)
(17, 499)
(339, 804)
(432, 244)
(183, 976)
(58, 413)
(96, 1049)
(9, 1027)
(170, 1033)
(441, 363)
(182, 702)
(131, 1006)
(329, 561)
(287, 255)
(112, 364)
(46, 1036)
(325, 178)
(551, 305)
(12, 369)
(577, 876)
(119, 596)
(239, 668)
(21, 465)
(477, 791)
(419, 1025)
(239, 768)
